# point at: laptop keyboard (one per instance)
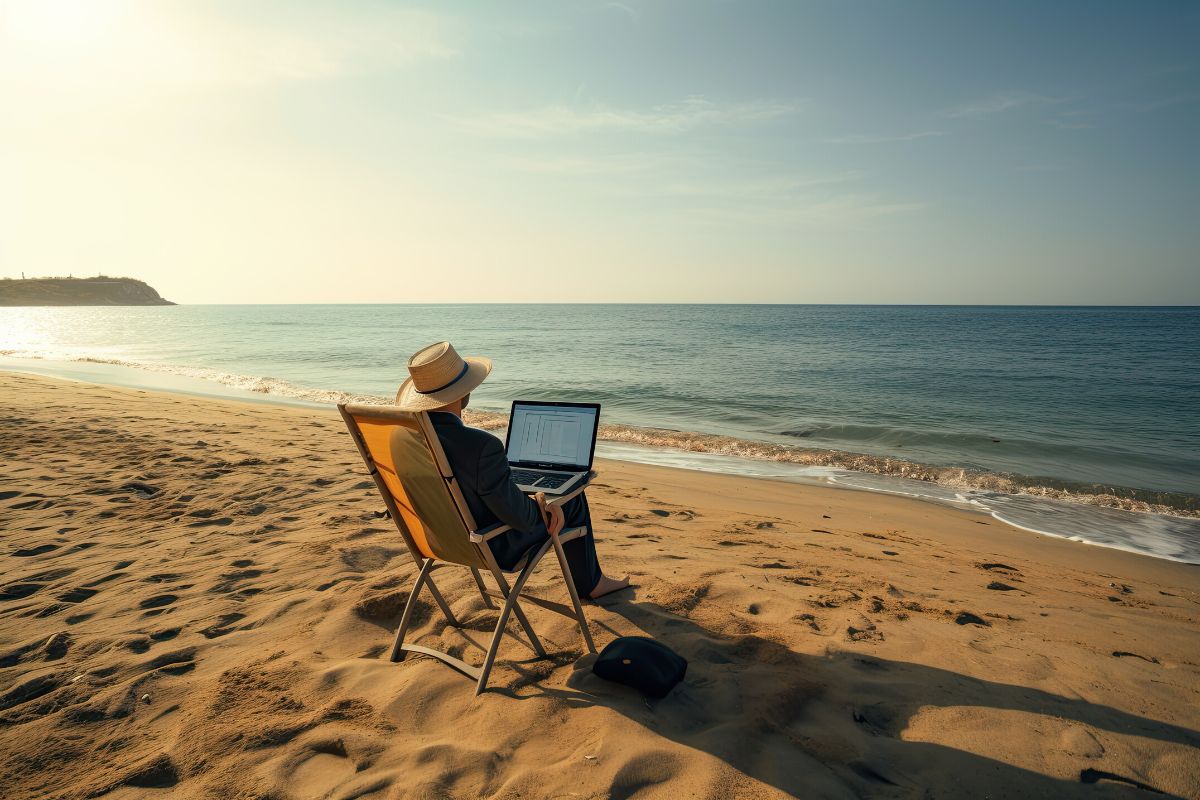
(524, 477)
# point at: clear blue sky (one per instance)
(1041, 152)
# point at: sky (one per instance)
(635, 151)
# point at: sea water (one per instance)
(1053, 418)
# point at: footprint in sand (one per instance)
(992, 567)
(35, 551)
(810, 620)
(143, 491)
(867, 633)
(205, 522)
(138, 645)
(321, 770)
(158, 601)
(330, 584)
(222, 626)
(31, 504)
(175, 662)
(19, 591)
(50, 575)
(78, 595)
(643, 772)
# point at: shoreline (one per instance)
(205, 381)
(200, 594)
(1100, 520)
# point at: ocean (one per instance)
(1081, 422)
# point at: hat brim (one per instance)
(409, 399)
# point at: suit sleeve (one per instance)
(500, 494)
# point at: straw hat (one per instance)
(439, 377)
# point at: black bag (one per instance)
(648, 666)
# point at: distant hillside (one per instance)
(101, 291)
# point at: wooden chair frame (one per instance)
(426, 563)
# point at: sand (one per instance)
(196, 595)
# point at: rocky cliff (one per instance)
(100, 291)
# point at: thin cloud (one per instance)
(625, 164)
(840, 210)
(773, 189)
(869, 139)
(138, 46)
(1000, 103)
(634, 16)
(667, 119)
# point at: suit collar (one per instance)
(445, 418)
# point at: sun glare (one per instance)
(58, 22)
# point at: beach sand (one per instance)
(197, 595)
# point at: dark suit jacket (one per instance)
(481, 467)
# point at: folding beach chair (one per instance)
(404, 456)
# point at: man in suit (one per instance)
(440, 382)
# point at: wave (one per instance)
(1178, 504)
(957, 478)
(257, 384)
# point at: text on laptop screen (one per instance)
(559, 435)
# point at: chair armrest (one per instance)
(569, 534)
(490, 532)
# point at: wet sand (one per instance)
(197, 596)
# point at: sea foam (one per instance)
(957, 479)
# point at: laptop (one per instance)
(550, 445)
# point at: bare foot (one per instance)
(608, 585)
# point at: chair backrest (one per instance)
(403, 454)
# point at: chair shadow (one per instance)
(804, 723)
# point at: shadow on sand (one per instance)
(830, 726)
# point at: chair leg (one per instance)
(534, 641)
(487, 600)
(510, 604)
(398, 646)
(451, 620)
(566, 570)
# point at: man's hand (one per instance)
(557, 519)
(552, 515)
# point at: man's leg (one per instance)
(589, 580)
(581, 552)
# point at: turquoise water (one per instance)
(1080, 403)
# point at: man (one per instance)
(441, 383)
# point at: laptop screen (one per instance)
(552, 435)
